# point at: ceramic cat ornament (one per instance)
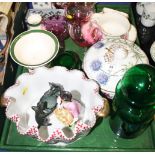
(59, 102)
(47, 105)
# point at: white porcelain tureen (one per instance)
(107, 60)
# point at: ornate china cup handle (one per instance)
(132, 34)
(104, 112)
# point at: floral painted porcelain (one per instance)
(54, 105)
(107, 60)
(34, 48)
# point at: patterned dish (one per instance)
(107, 60)
(23, 99)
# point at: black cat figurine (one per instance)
(47, 104)
(41, 117)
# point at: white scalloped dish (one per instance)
(29, 90)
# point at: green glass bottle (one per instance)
(133, 106)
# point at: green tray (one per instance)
(101, 138)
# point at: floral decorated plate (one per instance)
(53, 105)
(34, 48)
(107, 60)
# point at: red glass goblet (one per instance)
(85, 34)
(80, 11)
(58, 25)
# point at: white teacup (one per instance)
(33, 21)
(148, 15)
(115, 24)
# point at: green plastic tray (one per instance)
(101, 138)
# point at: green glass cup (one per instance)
(133, 106)
(68, 59)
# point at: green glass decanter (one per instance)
(133, 106)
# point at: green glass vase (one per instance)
(133, 106)
(68, 59)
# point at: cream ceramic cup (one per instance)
(34, 21)
(115, 24)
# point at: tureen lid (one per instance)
(107, 60)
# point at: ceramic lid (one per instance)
(107, 60)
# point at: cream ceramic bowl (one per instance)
(30, 87)
(114, 23)
(34, 48)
